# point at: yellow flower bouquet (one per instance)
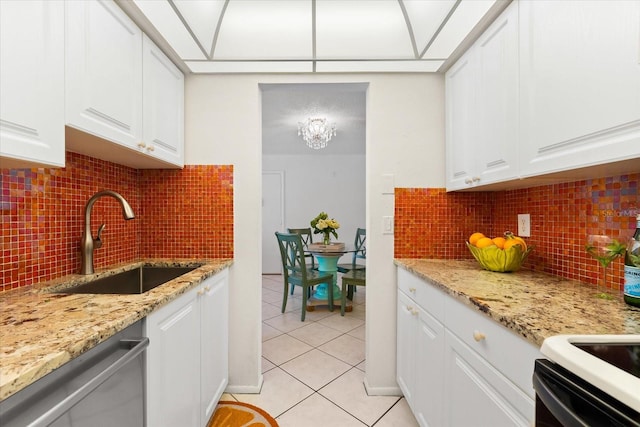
(325, 226)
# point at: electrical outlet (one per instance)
(524, 225)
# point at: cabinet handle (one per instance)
(141, 144)
(476, 179)
(150, 148)
(414, 311)
(207, 288)
(200, 292)
(478, 336)
(412, 290)
(468, 181)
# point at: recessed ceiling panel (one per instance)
(167, 22)
(425, 17)
(266, 30)
(361, 29)
(466, 16)
(378, 66)
(250, 66)
(202, 17)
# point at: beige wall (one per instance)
(405, 137)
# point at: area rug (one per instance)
(240, 414)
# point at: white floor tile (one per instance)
(316, 411)
(286, 322)
(318, 354)
(283, 348)
(398, 416)
(315, 334)
(280, 391)
(315, 368)
(340, 323)
(346, 348)
(269, 332)
(270, 311)
(266, 365)
(358, 332)
(272, 297)
(349, 393)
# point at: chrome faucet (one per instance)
(88, 243)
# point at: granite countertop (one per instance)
(535, 305)
(41, 331)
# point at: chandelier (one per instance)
(316, 132)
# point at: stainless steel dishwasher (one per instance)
(103, 387)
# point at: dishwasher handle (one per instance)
(136, 347)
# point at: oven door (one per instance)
(563, 399)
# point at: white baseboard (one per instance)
(381, 391)
(245, 389)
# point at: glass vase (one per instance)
(326, 238)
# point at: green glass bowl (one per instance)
(493, 258)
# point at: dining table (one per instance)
(327, 257)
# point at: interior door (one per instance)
(272, 220)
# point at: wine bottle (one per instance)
(632, 269)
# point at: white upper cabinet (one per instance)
(121, 89)
(460, 122)
(31, 83)
(104, 72)
(580, 84)
(163, 105)
(482, 108)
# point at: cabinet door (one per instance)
(406, 347)
(429, 375)
(173, 363)
(479, 395)
(497, 99)
(214, 342)
(31, 83)
(104, 72)
(580, 84)
(461, 134)
(163, 104)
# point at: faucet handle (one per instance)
(97, 242)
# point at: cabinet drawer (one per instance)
(479, 394)
(425, 295)
(512, 355)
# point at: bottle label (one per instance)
(632, 281)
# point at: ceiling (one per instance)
(284, 36)
(313, 36)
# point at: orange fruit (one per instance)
(499, 241)
(473, 239)
(512, 242)
(483, 242)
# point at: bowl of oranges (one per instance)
(502, 254)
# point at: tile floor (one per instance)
(314, 370)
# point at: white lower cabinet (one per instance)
(187, 358)
(457, 367)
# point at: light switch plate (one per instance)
(524, 225)
(387, 225)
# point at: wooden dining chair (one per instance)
(296, 272)
(351, 279)
(307, 239)
(359, 253)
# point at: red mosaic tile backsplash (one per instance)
(43, 216)
(431, 223)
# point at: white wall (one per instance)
(333, 184)
(405, 137)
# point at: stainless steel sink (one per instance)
(136, 281)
